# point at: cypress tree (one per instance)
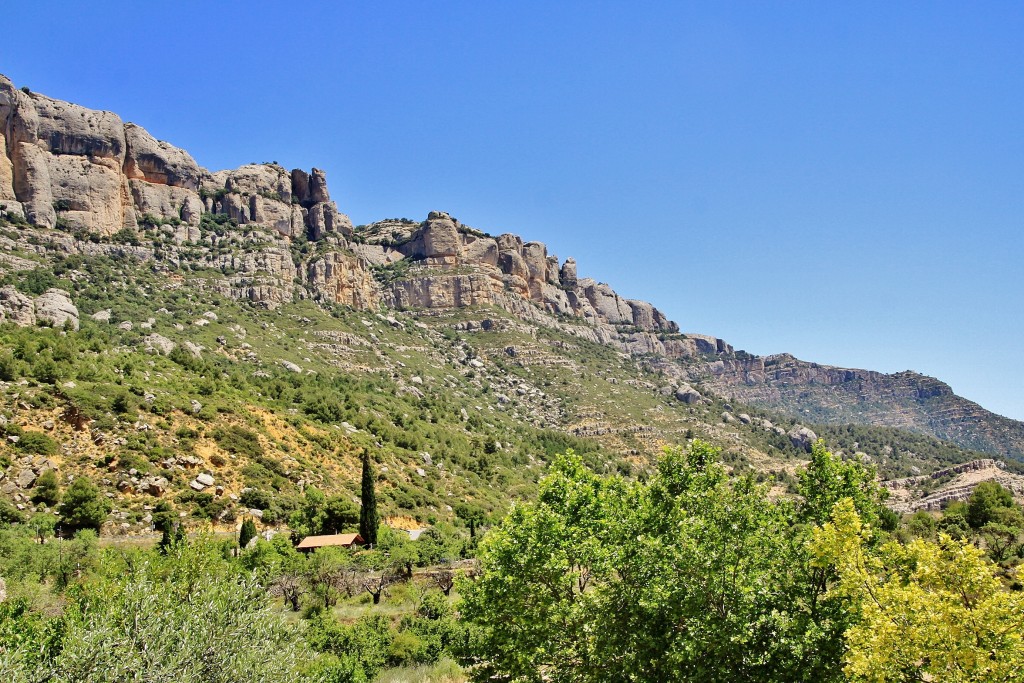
(368, 499)
(246, 533)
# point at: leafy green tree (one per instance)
(339, 514)
(530, 607)
(47, 489)
(988, 498)
(693, 576)
(368, 520)
(828, 479)
(83, 507)
(713, 584)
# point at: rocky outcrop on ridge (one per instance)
(955, 483)
(67, 166)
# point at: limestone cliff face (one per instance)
(446, 250)
(66, 166)
(87, 172)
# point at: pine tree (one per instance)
(368, 512)
(247, 533)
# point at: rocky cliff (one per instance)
(97, 179)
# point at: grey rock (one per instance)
(688, 394)
(801, 437)
(16, 307)
(158, 343)
(25, 478)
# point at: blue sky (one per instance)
(842, 181)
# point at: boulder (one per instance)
(688, 394)
(25, 478)
(16, 307)
(801, 437)
(55, 306)
(158, 343)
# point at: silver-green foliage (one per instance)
(182, 620)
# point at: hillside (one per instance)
(822, 393)
(226, 340)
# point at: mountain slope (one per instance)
(170, 322)
(822, 393)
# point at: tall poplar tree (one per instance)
(368, 511)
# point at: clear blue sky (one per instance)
(842, 181)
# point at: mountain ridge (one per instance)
(275, 236)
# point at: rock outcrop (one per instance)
(445, 249)
(53, 307)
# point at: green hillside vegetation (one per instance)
(271, 401)
(692, 575)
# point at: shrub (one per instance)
(256, 499)
(83, 507)
(47, 489)
(38, 443)
(238, 440)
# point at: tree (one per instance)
(247, 532)
(368, 521)
(376, 584)
(711, 584)
(531, 601)
(472, 515)
(83, 507)
(47, 489)
(987, 499)
(328, 572)
(827, 480)
(692, 576)
(444, 578)
(339, 514)
(165, 521)
(926, 611)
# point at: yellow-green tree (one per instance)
(927, 611)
